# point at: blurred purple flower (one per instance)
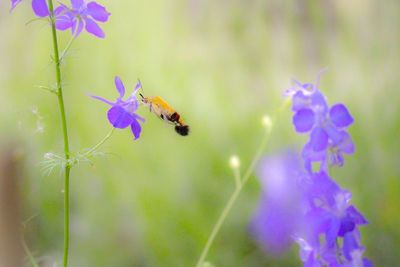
(122, 112)
(80, 15)
(39, 7)
(278, 215)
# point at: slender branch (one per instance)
(65, 133)
(236, 175)
(93, 149)
(238, 189)
(218, 225)
(29, 254)
(232, 200)
(63, 53)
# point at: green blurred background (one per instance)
(222, 65)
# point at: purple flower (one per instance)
(310, 208)
(80, 15)
(39, 7)
(353, 251)
(330, 212)
(313, 254)
(122, 112)
(278, 215)
(327, 126)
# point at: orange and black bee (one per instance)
(164, 111)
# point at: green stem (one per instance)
(239, 187)
(90, 151)
(29, 254)
(65, 133)
(232, 199)
(64, 52)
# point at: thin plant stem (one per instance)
(90, 151)
(238, 189)
(29, 254)
(236, 174)
(231, 201)
(67, 167)
(67, 48)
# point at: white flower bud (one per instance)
(234, 162)
(266, 121)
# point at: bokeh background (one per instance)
(222, 65)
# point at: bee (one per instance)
(164, 111)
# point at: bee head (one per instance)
(143, 99)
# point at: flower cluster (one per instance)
(122, 112)
(326, 125)
(307, 206)
(80, 15)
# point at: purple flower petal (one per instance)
(103, 100)
(77, 4)
(309, 153)
(332, 231)
(119, 118)
(14, 3)
(318, 100)
(273, 225)
(61, 10)
(40, 8)
(137, 87)
(367, 263)
(319, 139)
(356, 216)
(346, 145)
(323, 188)
(334, 133)
(98, 12)
(308, 86)
(346, 225)
(303, 120)
(120, 86)
(316, 223)
(350, 243)
(93, 28)
(299, 101)
(131, 104)
(137, 117)
(136, 129)
(63, 23)
(279, 211)
(340, 116)
(63, 18)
